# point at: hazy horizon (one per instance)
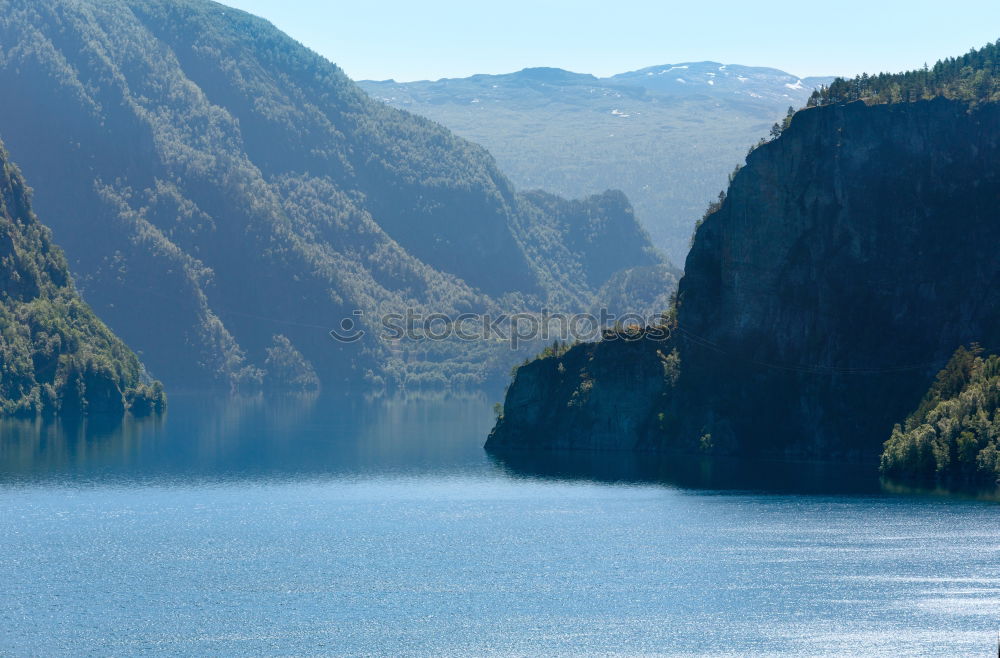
(600, 77)
(451, 39)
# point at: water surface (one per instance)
(319, 527)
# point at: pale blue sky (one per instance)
(430, 39)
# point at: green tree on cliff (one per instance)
(973, 77)
(955, 432)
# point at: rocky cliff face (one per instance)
(597, 396)
(850, 258)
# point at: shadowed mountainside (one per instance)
(226, 197)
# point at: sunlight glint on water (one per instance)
(383, 529)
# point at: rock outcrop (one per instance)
(596, 396)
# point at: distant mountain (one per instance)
(723, 81)
(668, 136)
(55, 355)
(226, 197)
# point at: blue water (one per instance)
(312, 527)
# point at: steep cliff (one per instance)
(55, 355)
(850, 258)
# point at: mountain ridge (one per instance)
(555, 73)
(669, 146)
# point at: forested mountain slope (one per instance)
(667, 135)
(224, 194)
(851, 256)
(55, 355)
